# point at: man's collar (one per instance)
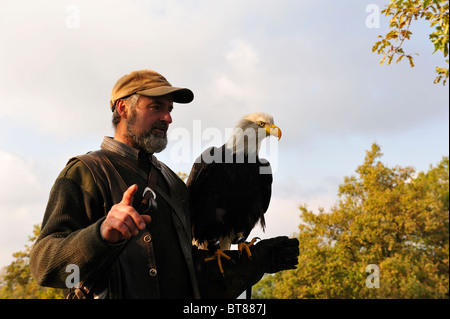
(110, 144)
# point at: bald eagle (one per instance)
(231, 188)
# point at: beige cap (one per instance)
(148, 83)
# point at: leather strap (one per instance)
(148, 202)
(147, 206)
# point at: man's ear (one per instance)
(122, 108)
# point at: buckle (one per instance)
(148, 204)
(148, 189)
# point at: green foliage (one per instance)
(402, 13)
(16, 281)
(184, 176)
(390, 217)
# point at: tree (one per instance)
(403, 12)
(16, 281)
(183, 175)
(391, 218)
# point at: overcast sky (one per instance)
(308, 63)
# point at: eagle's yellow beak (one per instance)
(273, 130)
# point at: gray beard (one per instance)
(148, 141)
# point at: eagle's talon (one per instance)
(246, 246)
(218, 253)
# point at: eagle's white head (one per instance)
(250, 131)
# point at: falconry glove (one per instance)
(268, 256)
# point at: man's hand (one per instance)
(123, 221)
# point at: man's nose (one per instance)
(167, 117)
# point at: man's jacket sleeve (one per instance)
(70, 231)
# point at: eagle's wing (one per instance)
(201, 185)
(266, 185)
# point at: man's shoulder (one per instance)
(74, 168)
(77, 171)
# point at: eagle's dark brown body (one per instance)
(229, 195)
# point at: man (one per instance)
(122, 218)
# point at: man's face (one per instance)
(148, 123)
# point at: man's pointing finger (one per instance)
(128, 196)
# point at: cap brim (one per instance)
(180, 95)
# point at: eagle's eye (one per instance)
(262, 124)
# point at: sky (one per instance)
(308, 63)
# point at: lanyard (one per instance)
(148, 203)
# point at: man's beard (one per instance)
(149, 141)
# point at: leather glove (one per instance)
(268, 256)
(276, 254)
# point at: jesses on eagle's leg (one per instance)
(218, 253)
(242, 245)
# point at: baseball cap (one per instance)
(148, 83)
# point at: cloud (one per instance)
(22, 203)
(243, 55)
(227, 88)
(237, 56)
(22, 184)
(308, 63)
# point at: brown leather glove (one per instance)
(276, 254)
(268, 256)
